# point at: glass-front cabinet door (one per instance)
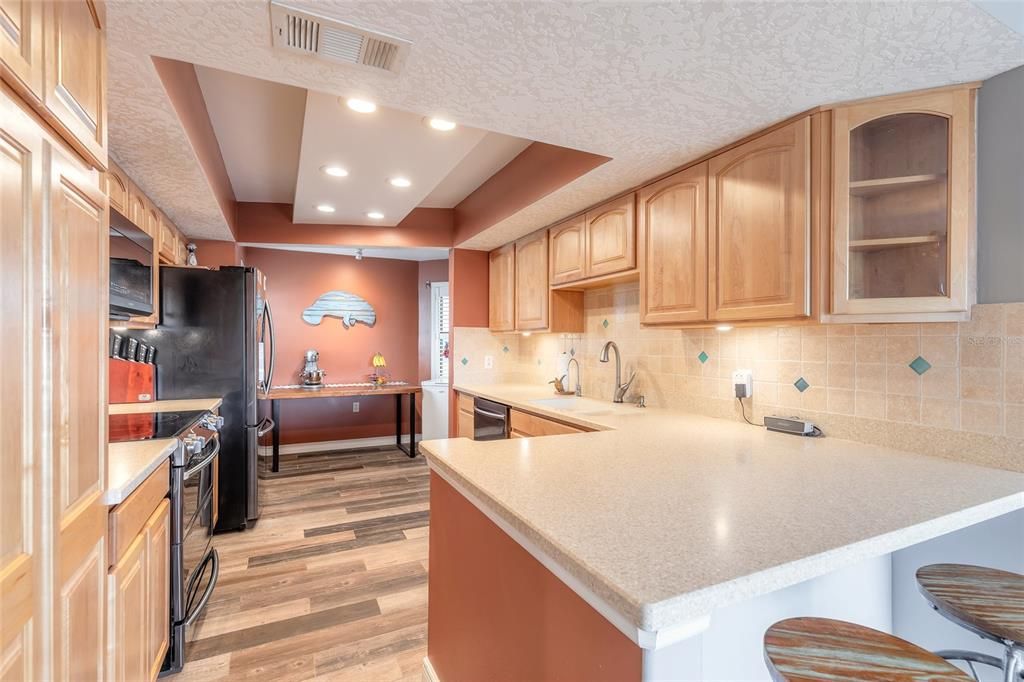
(903, 224)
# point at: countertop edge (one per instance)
(165, 405)
(115, 496)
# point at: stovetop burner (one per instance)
(150, 425)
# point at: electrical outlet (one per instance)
(355, 405)
(488, 362)
(743, 382)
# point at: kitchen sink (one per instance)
(569, 404)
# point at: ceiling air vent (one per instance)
(318, 36)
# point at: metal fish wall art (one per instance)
(347, 307)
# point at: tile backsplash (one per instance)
(887, 383)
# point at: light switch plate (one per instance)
(355, 405)
(488, 362)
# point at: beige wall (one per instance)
(968, 405)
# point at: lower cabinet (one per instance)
(139, 586)
(526, 425)
(464, 421)
(128, 620)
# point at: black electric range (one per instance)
(194, 564)
(150, 425)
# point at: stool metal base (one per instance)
(970, 658)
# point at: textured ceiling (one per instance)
(649, 84)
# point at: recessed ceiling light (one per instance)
(325, 208)
(335, 171)
(375, 215)
(441, 124)
(361, 105)
(400, 182)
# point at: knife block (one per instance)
(131, 382)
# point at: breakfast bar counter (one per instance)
(660, 518)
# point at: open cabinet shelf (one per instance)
(864, 245)
(867, 188)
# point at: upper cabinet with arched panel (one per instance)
(903, 220)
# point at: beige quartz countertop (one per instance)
(665, 516)
(130, 463)
(166, 405)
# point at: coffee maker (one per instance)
(312, 376)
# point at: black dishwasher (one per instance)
(490, 420)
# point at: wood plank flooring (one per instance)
(331, 583)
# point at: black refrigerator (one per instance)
(216, 338)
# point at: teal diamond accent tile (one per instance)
(703, 357)
(504, 349)
(465, 361)
(801, 384)
(920, 365)
(604, 324)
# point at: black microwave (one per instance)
(131, 269)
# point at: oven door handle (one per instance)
(206, 460)
(265, 427)
(215, 558)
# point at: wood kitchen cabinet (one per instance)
(128, 641)
(139, 596)
(531, 267)
(56, 59)
(759, 238)
(502, 289)
(21, 48)
(672, 231)
(567, 250)
(611, 237)
(75, 70)
(53, 567)
(519, 296)
(118, 193)
(464, 418)
(599, 243)
(54, 237)
(168, 241)
(903, 229)
(526, 425)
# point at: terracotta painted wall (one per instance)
(467, 287)
(263, 223)
(429, 271)
(214, 253)
(294, 281)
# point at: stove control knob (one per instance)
(212, 422)
(194, 444)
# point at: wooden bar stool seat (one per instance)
(986, 601)
(811, 649)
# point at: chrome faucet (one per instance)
(620, 388)
(568, 374)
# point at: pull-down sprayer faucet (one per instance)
(620, 388)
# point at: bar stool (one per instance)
(985, 601)
(811, 649)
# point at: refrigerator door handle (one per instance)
(273, 346)
(264, 427)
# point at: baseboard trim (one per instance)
(330, 445)
(429, 674)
